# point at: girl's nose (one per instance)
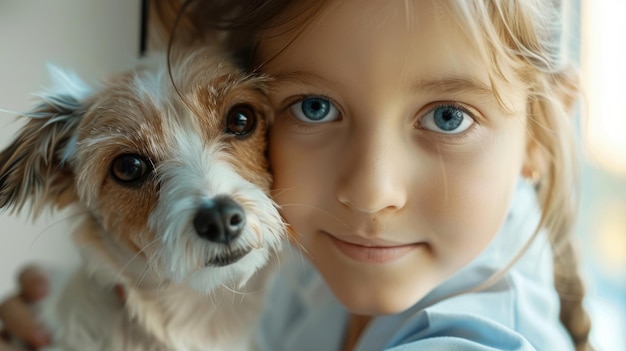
(373, 177)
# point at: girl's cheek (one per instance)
(289, 173)
(473, 195)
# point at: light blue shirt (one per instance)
(519, 312)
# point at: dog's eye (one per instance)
(129, 168)
(240, 120)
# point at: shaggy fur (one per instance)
(149, 163)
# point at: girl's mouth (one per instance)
(373, 254)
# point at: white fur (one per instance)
(175, 301)
(85, 315)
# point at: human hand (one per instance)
(16, 316)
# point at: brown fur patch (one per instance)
(131, 116)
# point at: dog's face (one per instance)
(173, 177)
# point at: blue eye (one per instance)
(448, 119)
(314, 110)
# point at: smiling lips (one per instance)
(373, 252)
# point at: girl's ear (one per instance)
(34, 167)
(535, 161)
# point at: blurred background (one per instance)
(602, 221)
(97, 38)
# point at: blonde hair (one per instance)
(526, 35)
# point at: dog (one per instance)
(166, 166)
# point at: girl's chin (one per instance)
(381, 288)
(365, 295)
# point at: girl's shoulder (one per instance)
(515, 314)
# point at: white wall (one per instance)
(92, 37)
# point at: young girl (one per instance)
(422, 153)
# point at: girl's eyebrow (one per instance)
(303, 77)
(441, 86)
(454, 85)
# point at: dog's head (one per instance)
(173, 176)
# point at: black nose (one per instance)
(220, 220)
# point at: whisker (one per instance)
(119, 274)
(278, 191)
(242, 293)
(294, 241)
(50, 226)
(278, 261)
(302, 250)
(320, 210)
(143, 275)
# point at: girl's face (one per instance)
(393, 161)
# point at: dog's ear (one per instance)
(35, 166)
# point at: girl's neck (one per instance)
(356, 325)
